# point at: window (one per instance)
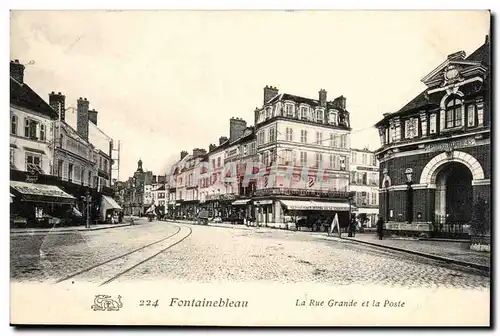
(12, 156)
(82, 175)
(342, 163)
(33, 161)
(289, 110)
(424, 127)
(313, 115)
(60, 168)
(332, 118)
(319, 116)
(332, 140)
(319, 138)
(374, 198)
(287, 156)
(265, 158)
(260, 138)
(454, 113)
(70, 172)
(100, 162)
(303, 136)
(90, 179)
(397, 132)
(105, 165)
(303, 159)
(333, 159)
(354, 157)
(272, 134)
(27, 128)
(471, 116)
(269, 111)
(411, 128)
(343, 141)
(218, 162)
(480, 106)
(432, 124)
(365, 158)
(13, 125)
(213, 163)
(319, 159)
(42, 132)
(253, 149)
(289, 134)
(303, 112)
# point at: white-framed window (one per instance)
(12, 158)
(432, 123)
(354, 157)
(332, 161)
(397, 132)
(471, 115)
(453, 113)
(33, 159)
(287, 156)
(303, 136)
(26, 127)
(303, 159)
(289, 134)
(260, 138)
(424, 127)
(480, 113)
(332, 118)
(244, 149)
(411, 128)
(269, 112)
(343, 141)
(272, 134)
(13, 125)
(319, 116)
(289, 110)
(303, 112)
(319, 160)
(332, 140)
(253, 148)
(342, 163)
(219, 162)
(364, 158)
(319, 138)
(42, 132)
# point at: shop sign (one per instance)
(451, 145)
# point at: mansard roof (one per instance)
(24, 96)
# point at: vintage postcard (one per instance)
(250, 168)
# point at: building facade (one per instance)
(435, 156)
(364, 185)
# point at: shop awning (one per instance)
(77, 212)
(264, 202)
(109, 204)
(313, 205)
(241, 202)
(32, 192)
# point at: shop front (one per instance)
(40, 205)
(109, 210)
(242, 210)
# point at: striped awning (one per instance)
(33, 192)
(314, 205)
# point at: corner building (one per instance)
(435, 155)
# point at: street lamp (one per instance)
(409, 182)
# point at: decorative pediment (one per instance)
(453, 71)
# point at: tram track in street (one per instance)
(112, 269)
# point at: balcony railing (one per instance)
(302, 192)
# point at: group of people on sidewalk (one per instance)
(354, 224)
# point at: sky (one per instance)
(167, 81)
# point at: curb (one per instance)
(69, 230)
(425, 255)
(236, 226)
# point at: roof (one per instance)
(301, 100)
(481, 54)
(24, 96)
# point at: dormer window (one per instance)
(411, 128)
(269, 112)
(454, 113)
(332, 118)
(319, 116)
(289, 110)
(303, 112)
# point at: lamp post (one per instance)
(409, 182)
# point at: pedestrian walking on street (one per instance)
(380, 227)
(352, 227)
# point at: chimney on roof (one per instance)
(237, 127)
(82, 117)
(183, 154)
(58, 103)
(93, 116)
(211, 147)
(459, 55)
(340, 102)
(222, 139)
(199, 151)
(17, 71)
(322, 98)
(269, 93)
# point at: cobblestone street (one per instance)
(232, 254)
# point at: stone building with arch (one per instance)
(434, 157)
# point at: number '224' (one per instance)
(148, 303)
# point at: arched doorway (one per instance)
(454, 201)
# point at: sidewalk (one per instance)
(452, 252)
(65, 229)
(222, 224)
